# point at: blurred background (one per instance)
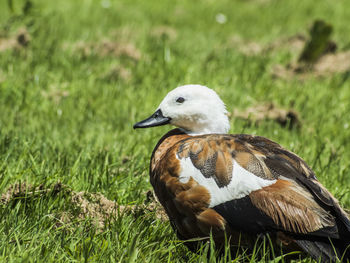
(76, 75)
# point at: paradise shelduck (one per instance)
(237, 185)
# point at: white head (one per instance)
(194, 108)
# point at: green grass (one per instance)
(81, 139)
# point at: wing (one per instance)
(256, 185)
(286, 165)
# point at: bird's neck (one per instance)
(214, 126)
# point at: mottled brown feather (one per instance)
(223, 168)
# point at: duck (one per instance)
(238, 187)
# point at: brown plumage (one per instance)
(296, 208)
(242, 186)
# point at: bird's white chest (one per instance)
(242, 182)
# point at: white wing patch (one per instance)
(242, 183)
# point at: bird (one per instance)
(245, 187)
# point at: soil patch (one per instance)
(164, 32)
(17, 41)
(2, 76)
(83, 204)
(55, 94)
(106, 48)
(326, 65)
(246, 47)
(293, 44)
(314, 54)
(117, 73)
(269, 111)
(318, 56)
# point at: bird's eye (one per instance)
(180, 100)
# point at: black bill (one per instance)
(156, 119)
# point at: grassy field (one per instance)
(87, 70)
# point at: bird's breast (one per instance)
(240, 184)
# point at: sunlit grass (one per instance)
(66, 115)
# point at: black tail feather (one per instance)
(325, 250)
